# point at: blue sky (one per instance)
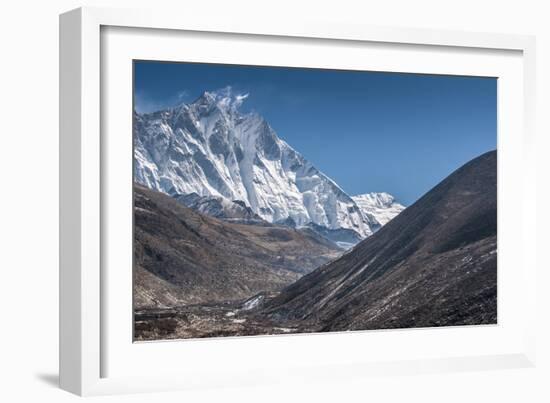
(369, 131)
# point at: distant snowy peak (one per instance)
(382, 206)
(210, 148)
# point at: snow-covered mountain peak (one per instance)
(378, 199)
(224, 99)
(381, 205)
(211, 148)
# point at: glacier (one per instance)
(211, 148)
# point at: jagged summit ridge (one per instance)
(382, 205)
(211, 148)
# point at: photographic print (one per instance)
(282, 200)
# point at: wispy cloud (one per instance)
(183, 96)
(145, 103)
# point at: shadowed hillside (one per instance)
(435, 264)
(184, 257)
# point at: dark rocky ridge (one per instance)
(184, 257)
(435, 264)
(217, 207)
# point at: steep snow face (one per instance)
(210, 148)
(382, 206)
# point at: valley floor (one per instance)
(229, 318)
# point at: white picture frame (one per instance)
(92, 343)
